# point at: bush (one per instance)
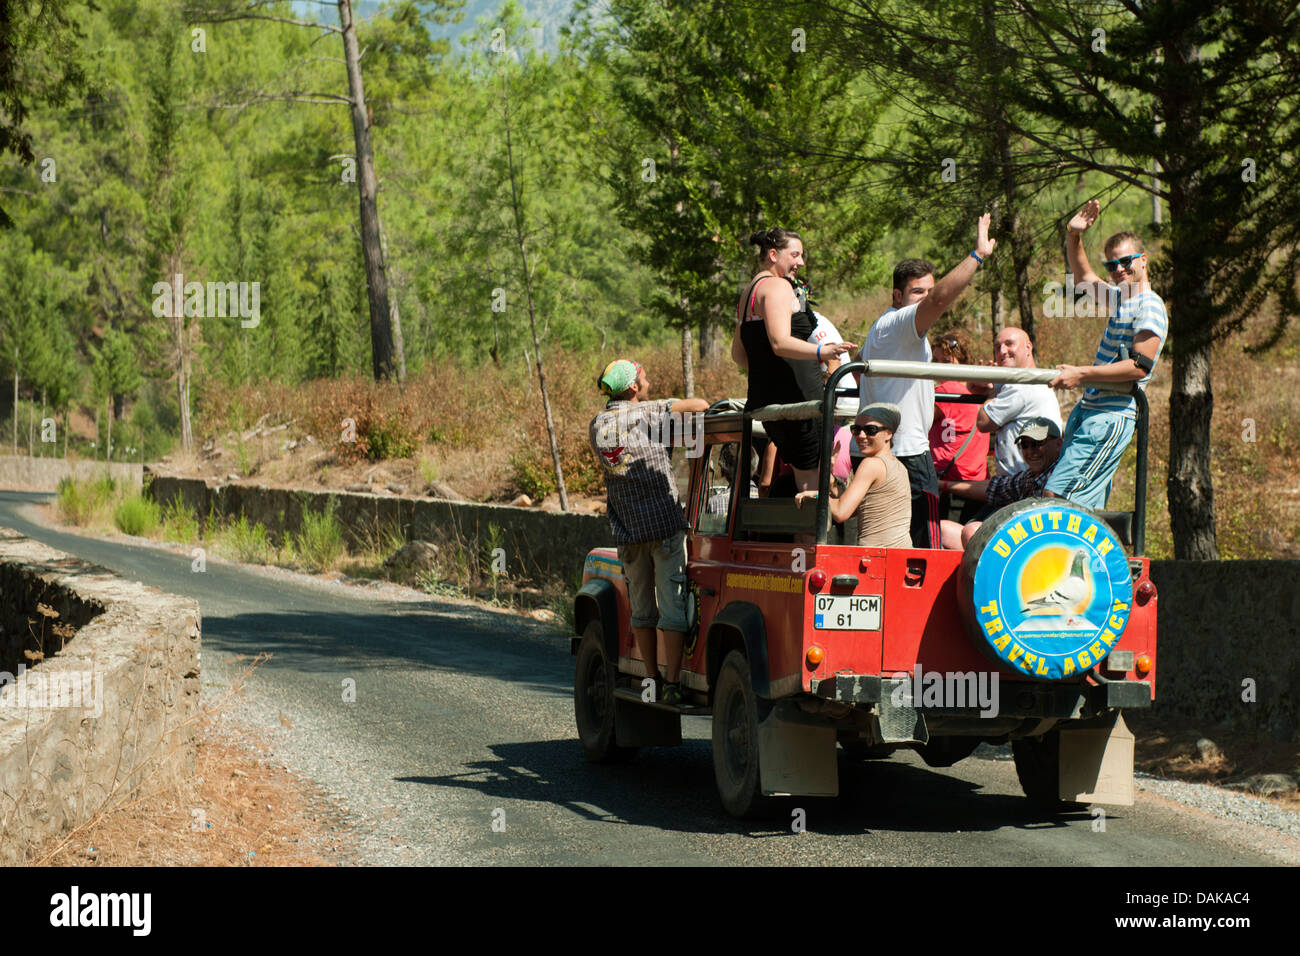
(320, 542)
(137, 515)
(389, 438)
(249, 543)
(179, 523)
(81, 503)
(532, 476)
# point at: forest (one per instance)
(208, 205)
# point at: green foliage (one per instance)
(532, 475)
(179, 523)
(82, 503)
(389, 438)
(320, 542)
(245, 542)
(137, 515)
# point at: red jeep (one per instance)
(1039, 634)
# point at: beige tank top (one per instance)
(885, 514)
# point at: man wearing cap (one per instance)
(1040, 444)
(632, 439)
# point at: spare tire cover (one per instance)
(1045, 588)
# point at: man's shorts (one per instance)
(1095, 442)
(656, 582)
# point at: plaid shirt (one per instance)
(632, 441)
(1004, 489)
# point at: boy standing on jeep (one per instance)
(632, 439)
(1101, 425)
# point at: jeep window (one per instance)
(716, 499)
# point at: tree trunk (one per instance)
(688, 368)
(709, 344)
(108, 443)
(381, 338)
(399, 348)
(1191, 398)
(182, 364)
(517, 207)
(996, 311)
(15, 410)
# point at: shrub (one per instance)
(179, 523)
(320, 542)
(532, 476)
(137, 515)
(82, 503)
(247, 542)
(389, 438)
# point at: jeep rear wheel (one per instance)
(593, 699)
(1038, 765)
(736, 715)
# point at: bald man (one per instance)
(1012, 406)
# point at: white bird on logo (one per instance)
(1067, 595)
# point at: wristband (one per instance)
(975, 257)
(819, 353)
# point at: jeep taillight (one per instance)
(816, 579)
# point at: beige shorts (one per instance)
(656, 582)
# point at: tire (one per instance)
(855, 748)
(1038, 765)
(736, 715)
(593, 699)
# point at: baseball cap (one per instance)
(618, 376)
(1040, 429)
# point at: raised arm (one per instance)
(1075, 256)
(947, 289)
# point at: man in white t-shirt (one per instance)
(1012, 406)
(901, 333)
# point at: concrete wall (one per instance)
(127, 709)
(536, 543)
(1219, 622)
(44, 474)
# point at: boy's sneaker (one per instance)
(672, 694)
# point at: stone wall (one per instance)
(44, 474)
(1224, 622)
(536, 543)
(90, 718)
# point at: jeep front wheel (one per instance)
(593, 699)
(735, 739)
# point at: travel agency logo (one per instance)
(1052, 591)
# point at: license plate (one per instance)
(847, 612)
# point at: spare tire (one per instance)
(1045, 588)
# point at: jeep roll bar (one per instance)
(824, 408)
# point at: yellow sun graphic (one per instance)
(1043, 572)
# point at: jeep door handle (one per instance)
(707, 591)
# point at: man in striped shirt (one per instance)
(1102, 423)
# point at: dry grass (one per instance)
(239, 809)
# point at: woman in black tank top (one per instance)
(772, 330)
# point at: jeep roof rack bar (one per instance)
(825, 409)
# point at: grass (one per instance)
(320, 542)
(137, 515)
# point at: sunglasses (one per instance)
(1029, 443)
(1124, 261)
(870, 430)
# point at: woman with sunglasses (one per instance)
(880, 491)
(771, 341)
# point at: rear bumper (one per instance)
(1016, 698)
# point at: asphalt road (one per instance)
(463, 718)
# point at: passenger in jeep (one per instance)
(880, 492)
(631, 438)
(1039, 442)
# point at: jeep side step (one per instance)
(686, 710)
